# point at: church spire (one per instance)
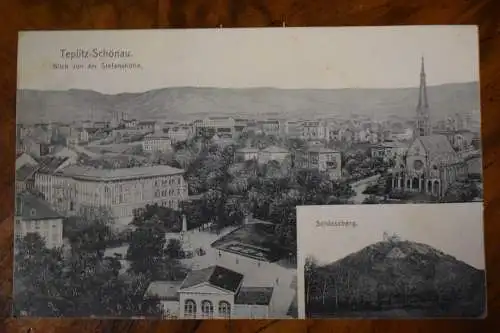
(422, 98)
(423, 124)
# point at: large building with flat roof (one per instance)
(120, 190)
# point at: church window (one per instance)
(207, 309)
(224, 309)
(418, 165)
(189, 309)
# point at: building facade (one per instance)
(214, 292)
(121, 191)
(389, 150)
(271, 127)
(157, 142)
(246, 154)
(273, 153)
(220, 126)
(321, 159)
(314, 130)
(431, 164)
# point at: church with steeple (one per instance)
(431, 164)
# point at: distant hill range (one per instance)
(399, 279)
(183, 103)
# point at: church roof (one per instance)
(439, 149)
(215, 275)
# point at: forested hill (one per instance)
(183, 103)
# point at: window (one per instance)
(224, 309)
(207, 309)
(33, 212)
(189, 309)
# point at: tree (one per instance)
(37, 276)
(372, 199)
(310, 267)
(174, 248)
(90, 229)
(146, 249)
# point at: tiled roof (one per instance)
(50, 164)
(157, 136)
(163, 290)
(25, 171)
(253, 240)
(215, 275)
(321, 150)
(87, 173)
(248, 150)
(254, 295)
(275, 149)
(30, 207)
(438, 149)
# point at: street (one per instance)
(360, 185)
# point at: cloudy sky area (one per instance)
(322, 58)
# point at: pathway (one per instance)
(360, 185)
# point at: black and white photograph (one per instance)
(158, 172)
(388, 261)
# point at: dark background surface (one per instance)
(133, 14)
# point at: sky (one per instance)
(456, 229)
(295, 58)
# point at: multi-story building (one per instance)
(273, 153)
(322, 159)
(179, 133)
(148, 126)
(119, 190)
(246, 154)
(132, 123)
(389, 150)
(220, 126)
(33, 215)
(158, 141)
(240, 125)
(25, 177)
(271, 127)
(293, 128)
(314, 130)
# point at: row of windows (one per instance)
(35, 224)
(170, 192)
(207, 309)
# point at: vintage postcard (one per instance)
(158, 172)
(391, 261)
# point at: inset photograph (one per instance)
(391, 261)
